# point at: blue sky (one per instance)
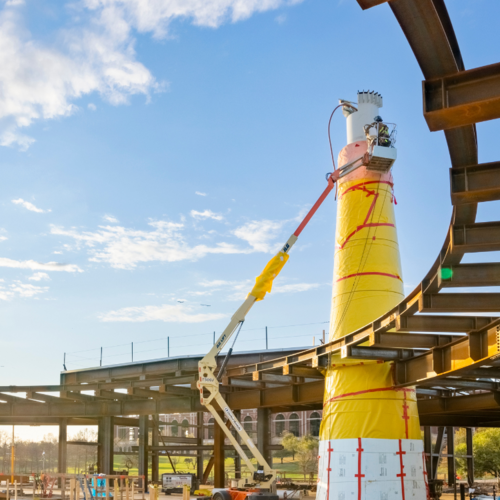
(155, 156)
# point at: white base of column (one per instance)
(372, 469)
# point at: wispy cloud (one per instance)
(39, 277)
(180, 313)
(260, 234)
(92, 53)
(20, 290)
(206, 214)
(238, 290)
(165, 241)
(111, 219)
(199, 193)
(39, 266)
(29, 206)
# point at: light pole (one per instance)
(43, 459)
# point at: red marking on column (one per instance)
(328, 470)
(405, 416)
(425, 477)
(379, 389)
(359, 475)
(370, 273)
(402, 475)
(369, 192)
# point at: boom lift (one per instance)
(380, 156)
(208, 383)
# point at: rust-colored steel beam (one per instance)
(368, 4)
(376, 353)
(469, 275)
(462, 98)
(436, 323)
(479, 237)
(457, 404)
(460, 302)
(410, 340)
(479, 346)
(475, 183)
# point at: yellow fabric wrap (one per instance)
(264, 282)
(360, 402)
(367, 277)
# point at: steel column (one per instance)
(155, 456)
(237, 458)
(470, 456)
(199, 442)
(450, 439)
(105, 438)
(143, 448)
(62, 446)
(428, 449)
(219, 470)
(263, 415)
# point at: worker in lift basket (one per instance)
(384, 137)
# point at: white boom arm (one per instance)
(208, 382)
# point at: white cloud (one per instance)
(180, 313)
(93, 53)
(20, 290)
(92, 107)
(259, 234)
(206, 214)
(39, 277)
(111, 219)
(294, 287)
(124, 248)
(280, 19)
(2, 235)
(199, 193)
(39, 266)
(29, 206)
(238, 290)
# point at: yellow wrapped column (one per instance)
(370, 441)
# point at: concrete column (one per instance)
(63, 446)
(155, 457)
(219, 470)
(199, 442)
(106, 440)
(237, 458)
(143, 448)
(263, 433)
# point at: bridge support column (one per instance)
(143, 448)
(219, 470)
(105, 451)
(263, 434)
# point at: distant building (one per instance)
(180, 425)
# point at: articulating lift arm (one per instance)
(263, 476)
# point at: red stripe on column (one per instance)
(328, 470)
(359, 475)
(370, 273)
(425, 477)
(405, 416)
(379, 389)
(402, 475)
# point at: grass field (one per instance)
(288, 468)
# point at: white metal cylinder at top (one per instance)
(368, 106)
